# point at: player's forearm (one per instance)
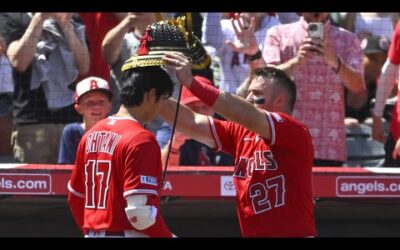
(389, 74)
(189, 123)
(186, 117)
(232, 107)
(222, 102)
(236, 109)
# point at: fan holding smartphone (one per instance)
(324, 59)
(316, 33)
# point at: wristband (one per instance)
(256, 56)
(207, 93)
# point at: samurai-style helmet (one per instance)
(165, 36)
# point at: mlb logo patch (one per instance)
(277, 117)
(111, 122)
(150, 180)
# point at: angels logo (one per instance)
(167, 185)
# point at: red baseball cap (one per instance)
(90, 84)
(187, 96)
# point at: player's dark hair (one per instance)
(282, 80)
(137, 81)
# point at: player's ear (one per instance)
(280, 101)
(151, 95)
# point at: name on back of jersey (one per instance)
(101, 142)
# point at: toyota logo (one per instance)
(229, 185)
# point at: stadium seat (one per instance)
(361, 130)
(362, 150)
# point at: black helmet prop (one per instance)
(166, 36)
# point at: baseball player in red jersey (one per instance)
(389, 77)
(273, 152)
(115, 186)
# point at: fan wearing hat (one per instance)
(375, 50)
(93, 100)
(186, 151)
(120, 43)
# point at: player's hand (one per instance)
(178, 62)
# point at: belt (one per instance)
(126, 233)
(121, 234)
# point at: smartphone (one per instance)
(316, 31)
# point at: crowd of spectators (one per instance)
(43, 56)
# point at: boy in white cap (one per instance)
(93, 98)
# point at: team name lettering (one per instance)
(261, 160)
(102, 142)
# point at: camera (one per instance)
(316, 31)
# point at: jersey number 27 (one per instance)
(259, 194)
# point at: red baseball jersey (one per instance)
(394, 57)
(394, 49)
(273, 178)
(115, 159)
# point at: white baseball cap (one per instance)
(90, 84)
